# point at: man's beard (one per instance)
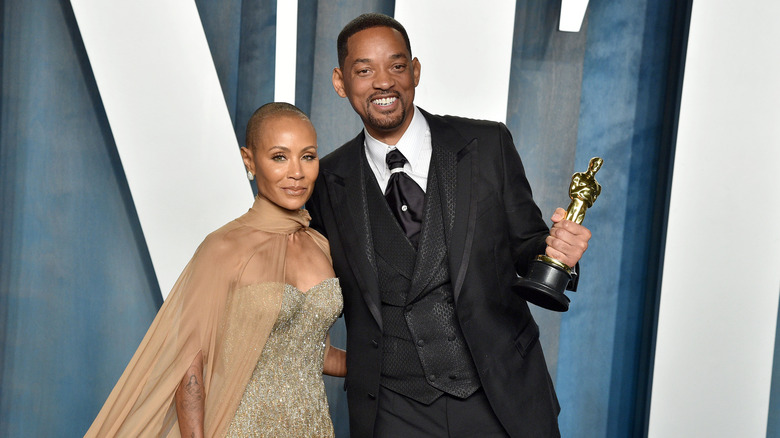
(386, 123)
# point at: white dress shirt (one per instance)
(415, 144)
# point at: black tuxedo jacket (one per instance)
(497, 230)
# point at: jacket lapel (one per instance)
(460, 216)
(348, 196)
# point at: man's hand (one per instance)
(567, 240)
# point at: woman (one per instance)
(239, 346)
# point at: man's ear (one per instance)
(416, 67)
(338, 82)
(248, 158)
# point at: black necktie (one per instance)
(404, 197)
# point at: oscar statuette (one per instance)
(547, 277)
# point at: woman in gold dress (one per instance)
(240, 344)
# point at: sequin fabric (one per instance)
(285, 396)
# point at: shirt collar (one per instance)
(411, 144)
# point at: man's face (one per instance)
(379, 78)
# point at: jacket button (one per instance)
(453, 377)
(420, 343)
(375, 343)
(432, 377)
(371, 396)
(408, 308)
(451, 338)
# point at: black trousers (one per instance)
(448, 416)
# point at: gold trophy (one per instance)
(547, 277)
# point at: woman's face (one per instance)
(284, 160)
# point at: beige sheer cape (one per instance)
(224, 304)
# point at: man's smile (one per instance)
(384, 101)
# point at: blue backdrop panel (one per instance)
(305, 45)
(773, 424)
(256, 61)
(77, 286)
(333, 117)
(242, 38)
(542, 113)
(603, 366)
(222, 25)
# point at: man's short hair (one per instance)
(363, 22)
(267, 111)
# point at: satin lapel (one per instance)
(348, 196)
(465, 216)
(461, 238)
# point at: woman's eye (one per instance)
(278, 157)
(309, 157)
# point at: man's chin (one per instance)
(385, 123)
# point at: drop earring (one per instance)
(250, 176)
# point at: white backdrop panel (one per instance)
(168, 116)
(572, 15)
(286, 50)
(465, 66)
(719, 296)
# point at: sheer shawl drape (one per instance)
(224, 304)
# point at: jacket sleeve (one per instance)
(527, 228)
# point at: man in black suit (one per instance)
(427, 244)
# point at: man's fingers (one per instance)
(567, 242)
(572, 228)
(558, 215)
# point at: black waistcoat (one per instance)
(424, 353)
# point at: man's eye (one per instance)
(399, 67)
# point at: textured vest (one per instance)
(424, 353)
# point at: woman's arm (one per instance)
(335, 363)
(190, 400)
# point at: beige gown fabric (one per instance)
(224, 304)
(285, 398)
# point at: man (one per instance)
(427, 243)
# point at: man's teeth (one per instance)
(384, 101)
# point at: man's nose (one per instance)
(383, 80)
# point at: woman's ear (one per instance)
(248, 158)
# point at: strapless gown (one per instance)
(286, 395)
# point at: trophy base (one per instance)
(544, 285)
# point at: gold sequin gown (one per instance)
(286, 395)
